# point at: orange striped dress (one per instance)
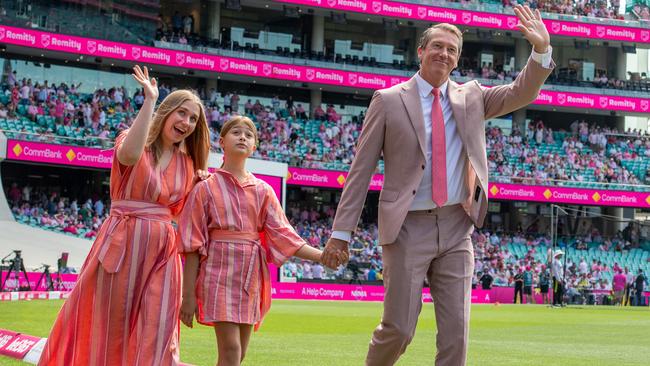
(237, 228)
(124, 307)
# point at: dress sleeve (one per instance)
(193, 221)
(117, 166)
(282, 240)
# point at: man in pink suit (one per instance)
(431, 133)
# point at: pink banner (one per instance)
(97, 158)
(274, 182)
(470, 18)
(513, 192)
(576, 196)
(85, 157)
(325, 291)
(326, 178)
(191, 60)
(5, 338)
(18, 345)
(59, 154)
(593, 101)
(66, 284)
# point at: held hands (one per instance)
(335, 253)
(533, 28)
(150, 86)
(188, 309)
(201, 175)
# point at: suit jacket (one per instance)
(394, 127)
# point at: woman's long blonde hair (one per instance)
(196, 145)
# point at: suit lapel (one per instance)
(411, 99)
(457, 99)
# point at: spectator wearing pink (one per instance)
(32, 110)
(15, 95)
(332, 116)
(248, 107)
(618, 283)
(304, 216)
(319, 113)
(300, 112)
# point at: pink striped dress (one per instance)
(124, 307)
(237, 228)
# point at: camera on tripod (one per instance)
(14, 266)
(15, 263)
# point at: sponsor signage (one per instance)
(231, 65)
(97, 158)
(326, 178)
(59, 154)
(471, 18)
(16, 346)
(575, 196)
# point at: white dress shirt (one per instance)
(456, 169)
(456, 188)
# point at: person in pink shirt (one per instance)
(319, 113)
(59, 109)
(231, 225)
(618, 284)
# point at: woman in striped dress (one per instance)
(232, 224)
(124, 308)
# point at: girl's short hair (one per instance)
(236, 121)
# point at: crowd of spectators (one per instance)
(315, 227)
(585, 281)
(177, 29)
(586, 153)
(49, 210)
(62, 114)
(61, 111)
(641, 10)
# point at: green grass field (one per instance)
(337, 333)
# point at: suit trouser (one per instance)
(435, 244)
(519, 290)
(558, 291)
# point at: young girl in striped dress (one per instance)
(231, 226)
(124, 307)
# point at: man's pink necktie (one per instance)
(438, 152)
